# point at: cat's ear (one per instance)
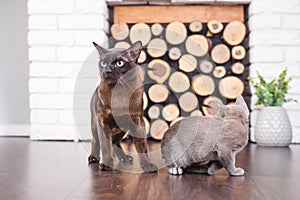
(133, 52)
(101, 51)
(241, 102)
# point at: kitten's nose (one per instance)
(108, 70)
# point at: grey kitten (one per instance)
(212, 139)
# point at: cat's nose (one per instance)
(108, 70)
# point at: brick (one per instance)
(56, 38)
(91, 7)
(82, 101)
(53, 132)
(51, 101)
(271, 70)
(291, 21)
(73, 54)
(42, 54)
(43, 85)
(296, 135)
(78, 117)
(266, 54)
(271, 6)
(66, 85)
(86, 37)
(42, 22)
(75, 22)
(79, 85)
(274, 37)
(50, 7)
(295, 88)
(40, 69)
(257, 22)
(294, 117)
(43, 116)
(292, 54)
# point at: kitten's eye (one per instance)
(103, 63)
(120, 63)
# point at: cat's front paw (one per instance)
(175, 170)
(92, 159)
(150, 167)
(238, 172)
(126, 158)
(104, 167)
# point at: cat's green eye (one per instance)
(103, 63)
(120, 63)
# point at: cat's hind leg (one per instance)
(116, 140)
(227, 159)
(213, 167)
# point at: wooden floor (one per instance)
(59, 170)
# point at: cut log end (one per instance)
(158, 93)
(157, 48)
(197, 45)
(187, 63)
(238, 68)
(238, 52)
(175, 33)
(234, 33)
(231, 87)
(195, 26)
(119, 31)
(170, 112)
(174, 53)
(140, 32)
(179, 82)
(188, 101)
(210, 107)
(203, 85)
(159, 70)
(154, 112)
(156, 29)
(214, 26)
(158, 129)
(220, 54)
(206, 66)
(219, 72)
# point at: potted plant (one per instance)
(273, 127)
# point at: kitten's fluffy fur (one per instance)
(216, 139)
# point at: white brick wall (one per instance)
(60, 36)
(60, 39)
(275, 44)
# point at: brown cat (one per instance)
(215, 140)
(117, 107)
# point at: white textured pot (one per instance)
(273, 127)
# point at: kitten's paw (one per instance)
(104, 167)
(150, 167)
(92, 159)
(126, 158)
(211, 171)
(238, 172)
(175, 170)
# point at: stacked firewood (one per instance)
(186, 66)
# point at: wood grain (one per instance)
(271, 173)
(185, 14)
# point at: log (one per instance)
(122, 45)
(159, 70)
(219, 71)
(140, 32)
(147, 125)
(154, 112)
(220, 54)
(158, 93)
(174, 53)
(176, 120)
(238, 52)
(157, 29)
(195, 26)
(210, 107)
(187, 63)
(196, 45)
(196, 113)
(203, 85)
(234, 33)
(179, 82)
(119, 31)
(170, 112)
(188, 101)
(209, 34)
(209, 41)
(157, 48)
(143, 57)
(214, 26)
(206, 66)
(231, 87)
(175, 33)
(238, 68)
(141, 72)
(158, 129)
(145, 101)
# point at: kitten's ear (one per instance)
(133, 52)
(241, 102)
(101, 51)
